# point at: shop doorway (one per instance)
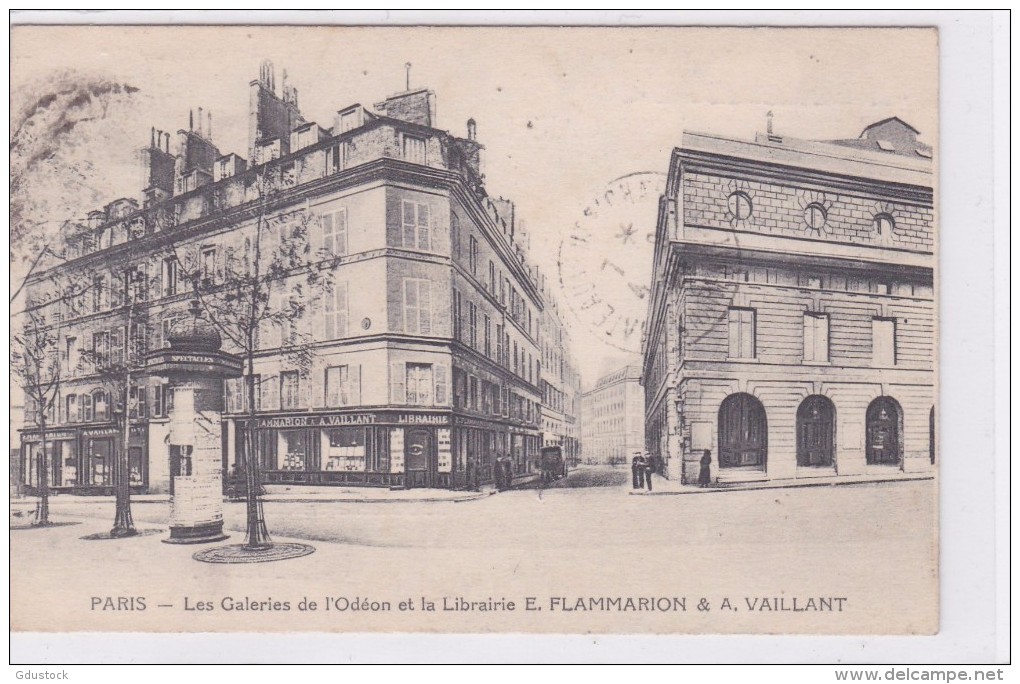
(419, 460)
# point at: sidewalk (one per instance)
(285, 493)
(662, 486)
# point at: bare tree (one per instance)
(259, 284)
(36, 364)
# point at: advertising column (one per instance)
(196, 512)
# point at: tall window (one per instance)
(457, 332)
(100, 298)
(72, 409)
(338, 157)
(169, 276)
(415, 232)
(419, 383)
(335, 309)
(741, 333)
(473, 255)
(334, 232)
(414, 149)
(343, 385)
(816, 337)
(208, 264)
(455, 235)
(488, 336)
(492, 277)
(289, 390)
(499, 343)
(417, 306)
(883, 341)
(86, 408)
(473, 325)
(72, 353)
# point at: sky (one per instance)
(562, 112)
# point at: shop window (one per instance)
(816, 337)
(290, 397)
(293, 449)
(742, 333)
(344, 449)
(415, 231)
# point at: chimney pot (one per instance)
(472, 129)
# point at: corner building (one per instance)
(792, 321)
(424, 339)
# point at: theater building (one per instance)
(424, 358)
(792, 323)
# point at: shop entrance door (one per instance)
(419, 461)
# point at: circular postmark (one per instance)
(605, 261)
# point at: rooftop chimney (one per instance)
(472, 129)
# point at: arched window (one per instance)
(743, 433)
(884, 427)
(816, 432)
(739, 205)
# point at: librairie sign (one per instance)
(339, 420)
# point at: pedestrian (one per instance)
(649, 469)
(637, 470)
(508, 472)
(705, 476)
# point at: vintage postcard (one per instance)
(474, 329)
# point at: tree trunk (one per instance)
(123, 525)
(42, 511)
(257, 534)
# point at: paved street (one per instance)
(873, 544)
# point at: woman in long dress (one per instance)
(705, 476)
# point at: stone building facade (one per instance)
(561, 381)
(612, 417)
(425, 358)
(792, 322)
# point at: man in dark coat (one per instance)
(649, 469)
(705, 476)
(637, 469)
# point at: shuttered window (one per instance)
(417, 306)
(334, 232)
(741, 333)
(883, 342)
(816, 337)
(335, 309)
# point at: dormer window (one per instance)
(414, 149)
